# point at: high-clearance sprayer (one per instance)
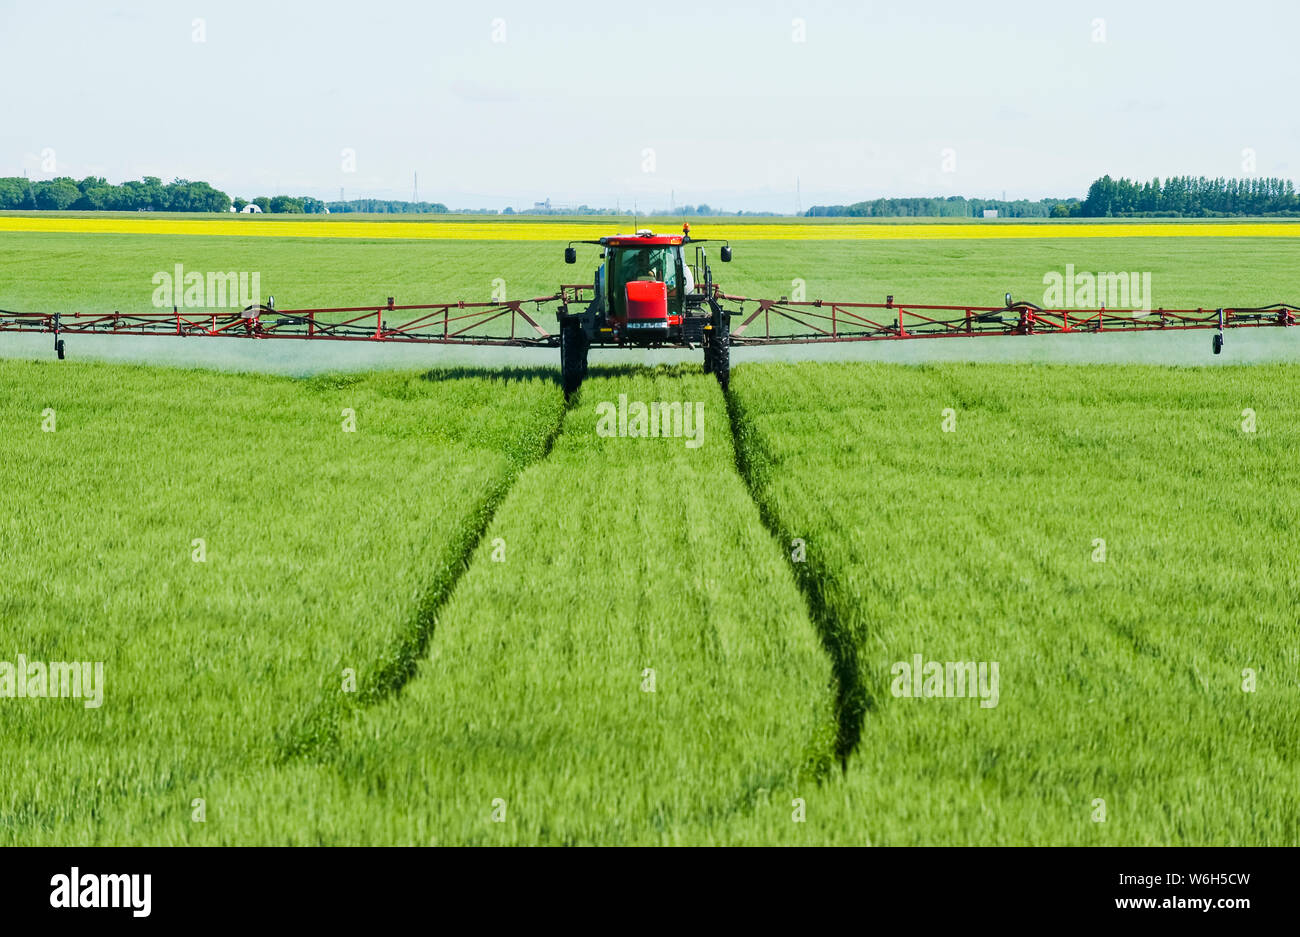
(647, 293)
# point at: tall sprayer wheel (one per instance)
(720, 345)
(573, 356)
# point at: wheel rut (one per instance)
(852, 699)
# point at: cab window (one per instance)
(647, 263)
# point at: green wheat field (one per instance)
(431, 604)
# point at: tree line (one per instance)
(1174, 197)
(1190, 197)
(385, 206)
(953, 206)
(283, 204)
(95, 193)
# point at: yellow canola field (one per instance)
(565, 231)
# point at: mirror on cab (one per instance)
(725, 253)
(570, 255)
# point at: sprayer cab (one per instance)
(644, 282)
(646, 289)
(649, 291)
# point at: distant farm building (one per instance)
(990, 213)
(251, 209)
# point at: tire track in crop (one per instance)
(320, 728)
(746, 712)
(852, 699)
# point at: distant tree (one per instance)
(13, 192)
(153, 192)
(262, 202)
(183, 195)
(239, 204)
(96, 195)
(143, 195)
(56, 194)
(176, 195)
(283, 204)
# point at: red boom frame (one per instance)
(509, 323)
(813, 321)
(457, 323)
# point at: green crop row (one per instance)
(231, 554)
(1120, 541)
(628, 660)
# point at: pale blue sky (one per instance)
(565, 107)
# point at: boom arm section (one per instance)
(782, 321)
(504, 322)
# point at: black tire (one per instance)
(573, 356)
(58, 349)
(1217, 343)
(708, 352)
(720, 342)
